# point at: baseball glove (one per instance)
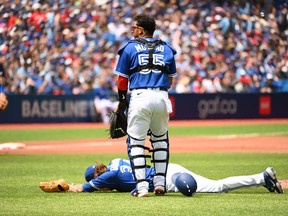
(118, 124)
(58, 185)
(3, 102)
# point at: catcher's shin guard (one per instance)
(160, 158)
(136, 153)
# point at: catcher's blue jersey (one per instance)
(117, 177)
(136, 54)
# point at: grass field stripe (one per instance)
(233, 136)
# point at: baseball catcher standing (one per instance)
(148, 65)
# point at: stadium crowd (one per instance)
(70, 46)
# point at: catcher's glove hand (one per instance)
(3, 102)
(58, 185)
(118, 124)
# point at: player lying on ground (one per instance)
(118, 176)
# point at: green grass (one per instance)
(261, 129)
(21, 174)
(74, 134)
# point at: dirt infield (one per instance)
(251, 143)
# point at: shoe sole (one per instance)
(272, 175)
(159, 193)
(279, 188)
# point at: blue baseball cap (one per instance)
(89, 173)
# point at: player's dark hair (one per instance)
(100, 169)
(147, 22)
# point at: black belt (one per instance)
(155, 88)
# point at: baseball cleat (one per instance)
(159, 190)
(271, 182)
(141, 193)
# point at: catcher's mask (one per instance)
(89, 173)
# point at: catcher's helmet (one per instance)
(185, 183)
(89, 173)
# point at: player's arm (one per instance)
(104, 182)
(79, 188)
(122, 92)
(122, 70)
(172, 72)
(171, 80)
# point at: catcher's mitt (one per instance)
(58, 185)
(3, 102)
(118, 124)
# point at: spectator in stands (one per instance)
(64, 47)
(105, 100)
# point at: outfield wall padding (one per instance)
(80, 108)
